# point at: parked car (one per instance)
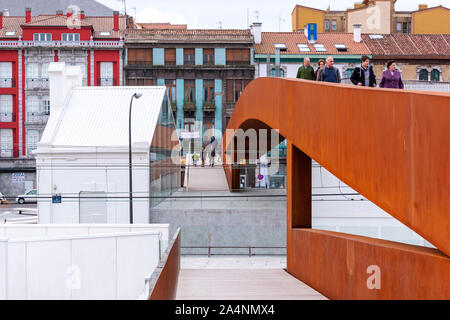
(30, 196)
(2, 198)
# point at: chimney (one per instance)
(62, 80)
(357, 32)
(116, 20)
(27, 15)
(82, 15)
(59, 12)
(256, 32)
(6, 12)
(423, 6)
(69, 13)
(1, 19)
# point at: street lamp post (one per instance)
(137, 96)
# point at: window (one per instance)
(32, 139)
(6, 108)
(189, 56)
(32, 105)
(399, 26)
(280, 46)
(32, 71)
(273, 72)
(46, 105)
(435, 75)
(42, 37)
(140, 56)
(189, 90)
(6, 142)
(320, 47)
(70, 37)
(341, 47)
(334, 25)
(327, 25)
(303, 47)
(106, 74)
(423, 75)
(44, 71)
(208, 90)
(5, 74)
(170, 57)
(236, 56)
(348, 72)
(405, 27)
(208, 56)
(10, 33)
(171, 89)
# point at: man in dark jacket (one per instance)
(363, 74)
(329, 73)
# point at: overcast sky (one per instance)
(275, 15)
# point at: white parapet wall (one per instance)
(58, 230)
(78, 262)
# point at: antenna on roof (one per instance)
(280, 20)
(256, 15)
(124, 2)
(219, 24)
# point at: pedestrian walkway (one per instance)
(240, 278)
(207, 179)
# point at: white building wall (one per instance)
(70, 174)
(80, 267)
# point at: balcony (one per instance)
(37, 83)
(37, 117)
(7, 117)
(6, 152)
(189, 106)
(106, 82)
(209, 106)
(7, 83)
(68, 44)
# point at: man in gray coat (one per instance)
(329, 73)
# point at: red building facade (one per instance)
(27, 45)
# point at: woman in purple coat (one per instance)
(391, 77)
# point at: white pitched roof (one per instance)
(98, 117)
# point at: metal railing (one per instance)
(250, 250)
(106, 82)
(89, 44)
(7, 117)
(9, 153)
(37, 83)
(37, 117)
(7, 83)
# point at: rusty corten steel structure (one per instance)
(391, 146)
(164, 286)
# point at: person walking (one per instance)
(306, 71)
(391, 77)
(213, 145)
(363, 74)
(321, 64)
(329, 73)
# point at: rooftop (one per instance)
(330, 41)
(200, 35)
(420, 45)
(90, 7)
(12, 26)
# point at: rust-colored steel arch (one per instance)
(391, 146)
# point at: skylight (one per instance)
(341, 47)
(280, 46)
(105, 33)
(303, 47)
(375, 36)
(320, 47)
(10, 33)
